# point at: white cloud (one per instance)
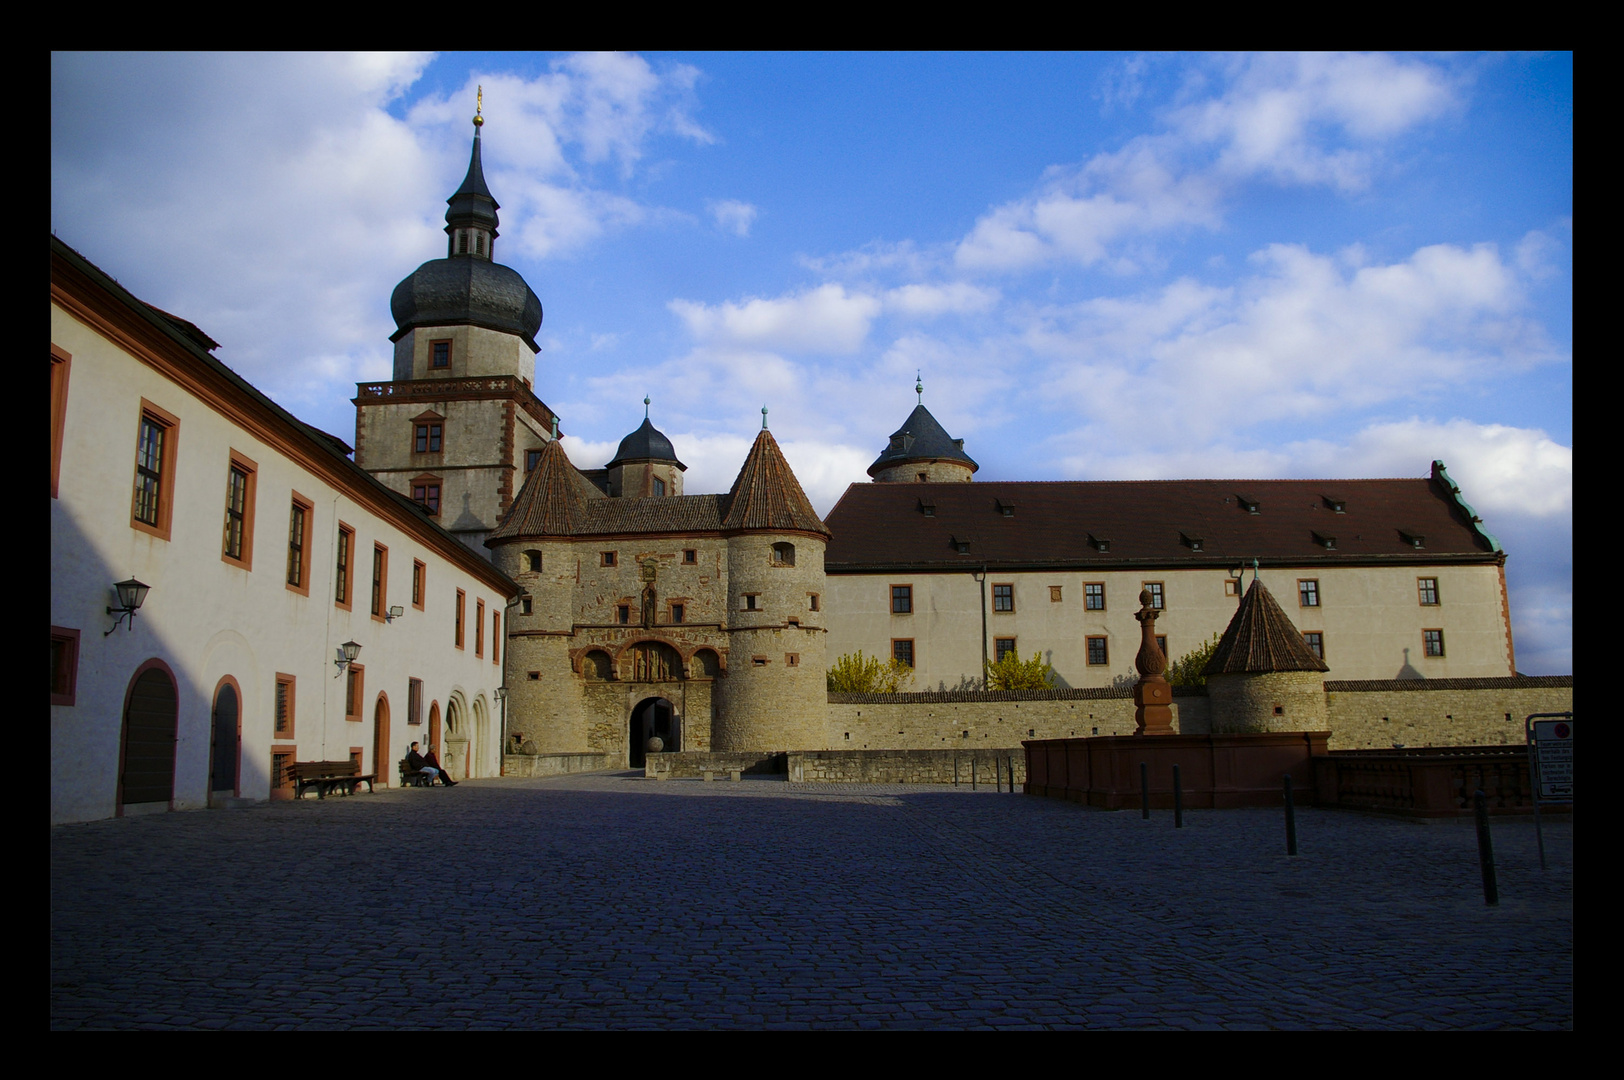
(1299, 119)
(1281, 114)
(826, 319)
(732, 216)
(925, 301)
(1306, 338)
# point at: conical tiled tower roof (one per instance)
(766, 494)
(552, 502)
(1260, 638)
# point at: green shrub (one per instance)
(859, 674)
(1013, 673)
(1186, 670)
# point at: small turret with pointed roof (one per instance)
(1261, 638)
(921, 449)
(766, 495)
(552, 501)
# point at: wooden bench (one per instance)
(327, 776)
(410, 777)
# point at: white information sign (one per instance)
(1553, 759)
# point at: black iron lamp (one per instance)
(350, 650)
(131, 594)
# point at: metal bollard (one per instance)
(1291, 820)
(1485, 850)
(1178, 800)
(972, 772)
(1144, 791)
(1009, 761)
(997, 776)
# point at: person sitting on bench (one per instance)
(417, 761)
(434, 763)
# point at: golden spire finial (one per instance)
(479, 107)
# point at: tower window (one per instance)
(428, 439)
(607, 558)
(752, 602)
(690, 556)
(659, 486)
(677, 612)
(783, 554)
(531, 457)
(623, 614)
(440, 354)
(427, 496)
(462, 242)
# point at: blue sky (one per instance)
(1106, 266)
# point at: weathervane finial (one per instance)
(919, 385)
(555, 429)
(479, 107)
(645, 406)
(764, 418)
(1254, 570)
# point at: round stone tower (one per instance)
(1263, 676)
(774, 696)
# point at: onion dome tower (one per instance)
(645, 464)
(1263, 676)
(459, 426)
(922, 450)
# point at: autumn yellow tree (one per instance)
(859, 674)
(1013, 673)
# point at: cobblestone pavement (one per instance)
(610, 901)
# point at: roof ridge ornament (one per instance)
(764, 418)
(645, 406)
(479, 107)
(919, 385)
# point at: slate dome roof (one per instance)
(647, 443)
(921, 438)
(465, 290)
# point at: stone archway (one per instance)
(147, 754)
(654, 717)
(454, 751)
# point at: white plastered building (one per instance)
(265, 550)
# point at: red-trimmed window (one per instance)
(428, 437)
(237, 546)
(380, 581)
(354, 691)
(61, 361)
(479, 628)
(440, 354)
(1098, 653)
(902, 651)
(300, 520)
(341, 575)
(496, 637)
(1002, 647)
(419, 582)
(283, 707)
(426, 493)
(157, 436)
(64, 665)
(462, 602)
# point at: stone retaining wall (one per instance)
(694, 764)
(985, 767)
(1373, 715)
(552, 764)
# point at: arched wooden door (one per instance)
(227, 737)
(434, 729)
(380, 740)
(147, 770)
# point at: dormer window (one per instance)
(1249, 505)
(1194, 543)
(1004, 508)
(1414, 539)
(961, 546)
(1326, 542)
(1099, 543)
(926, 508)
(1334, 504)
(901, 441)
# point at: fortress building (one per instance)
(462, 582)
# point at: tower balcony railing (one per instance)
(487, 386)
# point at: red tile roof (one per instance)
(1260, 638)
(1143, 523)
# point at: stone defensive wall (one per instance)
(719, 764)
(989, 719)
(1377, 714)
(1362, 715)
